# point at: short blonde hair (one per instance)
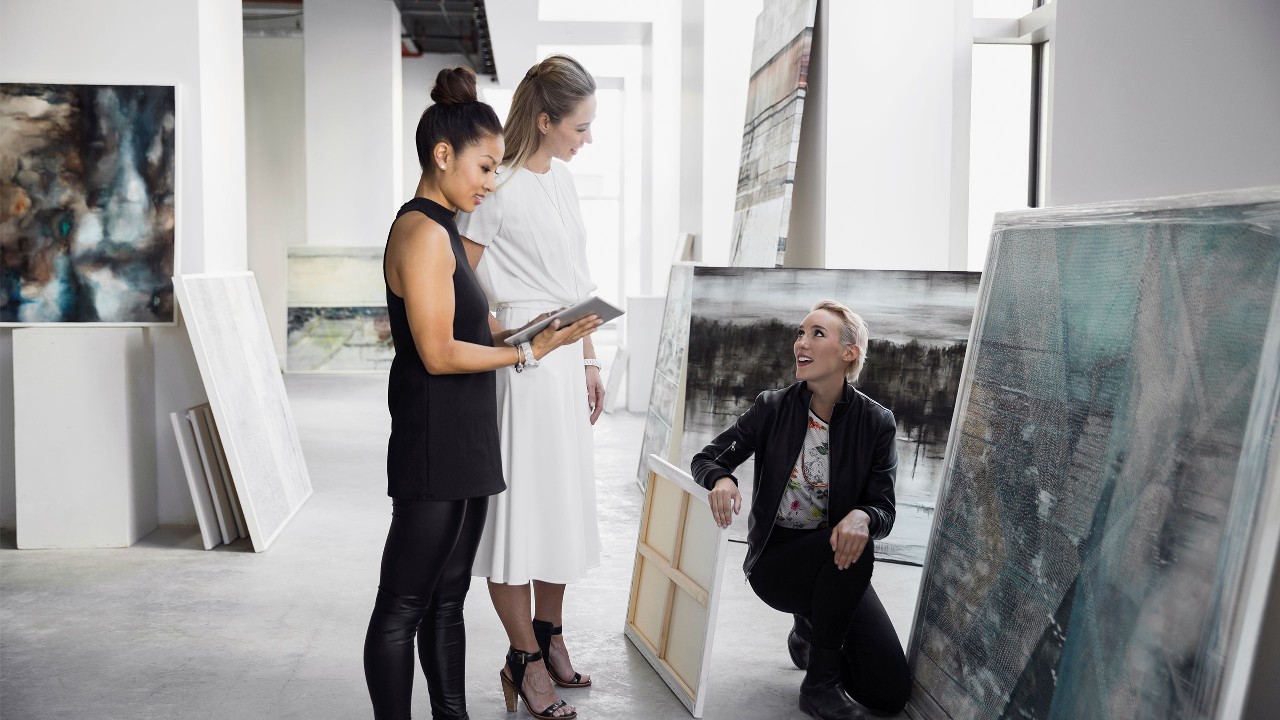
(853, 333)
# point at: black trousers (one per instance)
(426, 572)
(797, 574)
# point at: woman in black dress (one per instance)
(443, 457)
(825, 466)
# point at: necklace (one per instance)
(554, 193)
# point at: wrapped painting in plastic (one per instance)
(1107, 526)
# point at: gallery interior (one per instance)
(1060, 218)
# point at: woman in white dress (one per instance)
(528, 246)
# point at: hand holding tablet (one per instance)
(591, 306)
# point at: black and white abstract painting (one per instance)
(741, 332)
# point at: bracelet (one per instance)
(519, 358)
(591, 362)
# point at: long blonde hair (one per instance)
(554, 86)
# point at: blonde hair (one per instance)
(853, 333)
(554, 86)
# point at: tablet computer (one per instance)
(568, 316)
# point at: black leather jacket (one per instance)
(864, 461)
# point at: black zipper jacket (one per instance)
(864, 461)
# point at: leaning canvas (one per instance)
(1107, 527)
(771, 134)
(741, 333)
(662, 421)
(87, 204)
(228, 329)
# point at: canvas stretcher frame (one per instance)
(676, 582)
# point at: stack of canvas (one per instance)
(213, 493)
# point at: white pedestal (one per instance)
(644, 325)
(84, 432)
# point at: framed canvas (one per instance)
(89, 177)
(228, 329)
(666, 396)
(206, 516)
(1106, 532)
(742, 328)
(675, 584)
(771, 134)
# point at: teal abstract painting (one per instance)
(1094, 536)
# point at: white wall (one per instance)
(727, 59)
(275, 165)
(1163, 97)
(353, 119)
(150, 42)
(418, 75)
(890, 147)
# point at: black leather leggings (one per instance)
(426, 571)
(797, 574)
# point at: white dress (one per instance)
(543, 527)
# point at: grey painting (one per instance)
(339, 340)
(86, 204)
(1105, 468)
(743, 325)
(237, 359)
(333, 276)
(673, 349)
(771, 134)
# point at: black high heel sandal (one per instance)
(513, 687)
(543, 630)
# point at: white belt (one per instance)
(541, 305)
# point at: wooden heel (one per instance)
(509, 693)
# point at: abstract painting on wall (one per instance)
(340, 340)
(771, 135)
(87, 204)
(741, 333)
(338, 321)
(237, 359)
(1109, 502)
(666, 395)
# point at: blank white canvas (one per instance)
(212, 476)
(206, 517)
(220, 454)
(228, 328)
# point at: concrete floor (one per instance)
(167, 630)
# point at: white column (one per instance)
(353, 106)
(692, 70)
(221, 56)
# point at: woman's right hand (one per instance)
(554, 336)
(725, 501)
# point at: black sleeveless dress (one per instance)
(444, 428)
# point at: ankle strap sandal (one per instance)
(513, 687)
(543, 630)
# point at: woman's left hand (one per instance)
(595, 393)
(849, 538)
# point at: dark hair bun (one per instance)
(454, 86)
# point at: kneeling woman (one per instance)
(824, 474)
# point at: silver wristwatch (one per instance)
(530, 362)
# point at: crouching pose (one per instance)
(824, 474)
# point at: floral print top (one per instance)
(804, 502)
